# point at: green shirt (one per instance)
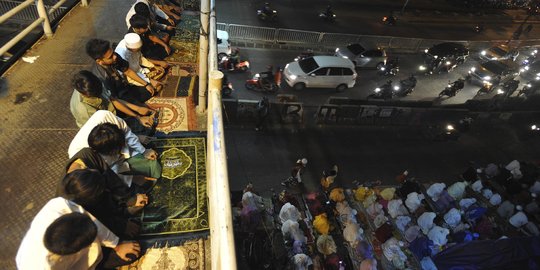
(83, 107)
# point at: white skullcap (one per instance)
(519, 208)
(133, 41)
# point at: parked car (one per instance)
(499, 52)
(444, 57)
(320, 72)
(223, 45)
(531, 72)
(362, 57)
(493, 72)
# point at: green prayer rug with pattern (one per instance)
(178, 202)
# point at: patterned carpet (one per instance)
(178, 201)
(191, 255)
(173, 114)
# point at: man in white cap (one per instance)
(129, 49)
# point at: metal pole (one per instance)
(56, 6)
(43, 15)
(84, 3)
(203, 55)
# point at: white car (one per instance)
(321, 72)
(223, 45)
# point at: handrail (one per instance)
(223, 254)
(43, 18)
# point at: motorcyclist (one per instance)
(267, 10)
(267, 77)
(391, 18)
(329, 12)
(233, 58)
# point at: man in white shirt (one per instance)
(129, 49)
(133, 157)
(65, 236)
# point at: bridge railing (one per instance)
(327, 41)
(37, 14)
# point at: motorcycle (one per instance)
(442, 132)
(485, 89)
(327, 16)
(267, 14)
(240, 66)
(389, 20)
(386, 91)
(478, 28)
(529, 89)
(265, 81)
(453, 88)
(508, 88)
(226, 87)
(406, 86)
(390, 68)
(304, 55)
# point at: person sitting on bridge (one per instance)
(98, 194)
(63, 235)
(162, 30)
(112, 70)
(129, 49)
(152, 46)
(89, 96)
(112, 142)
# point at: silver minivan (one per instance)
(321, 72)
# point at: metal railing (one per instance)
(223, 254)
(20, 11)
(30, 14)
(325, 41)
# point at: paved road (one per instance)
(422, 19)
(428, 86)
(367, 153)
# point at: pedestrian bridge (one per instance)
(37, 126)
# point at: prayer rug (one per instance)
(178, 202)
(184, 52)
(173, 114)
(191, 255)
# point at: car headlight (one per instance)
(275, 12)
(383, 68)
(257, 75)
(526, 67)
(377, 90)
(537, 78)
(534, 52)
(449, 127)
(436, 56)
(448, 63)
(528, 85)
(449, 86)
(483, 52)
(422, 67)
(534, 127)
(293, 77)
(426, 50)
(337, 49)
(521, 70)
(473, 69)
(396, 88)
(487, 78)
(500, 91)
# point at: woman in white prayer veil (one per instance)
(301, 262)
(289, 212)
(291, 230)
